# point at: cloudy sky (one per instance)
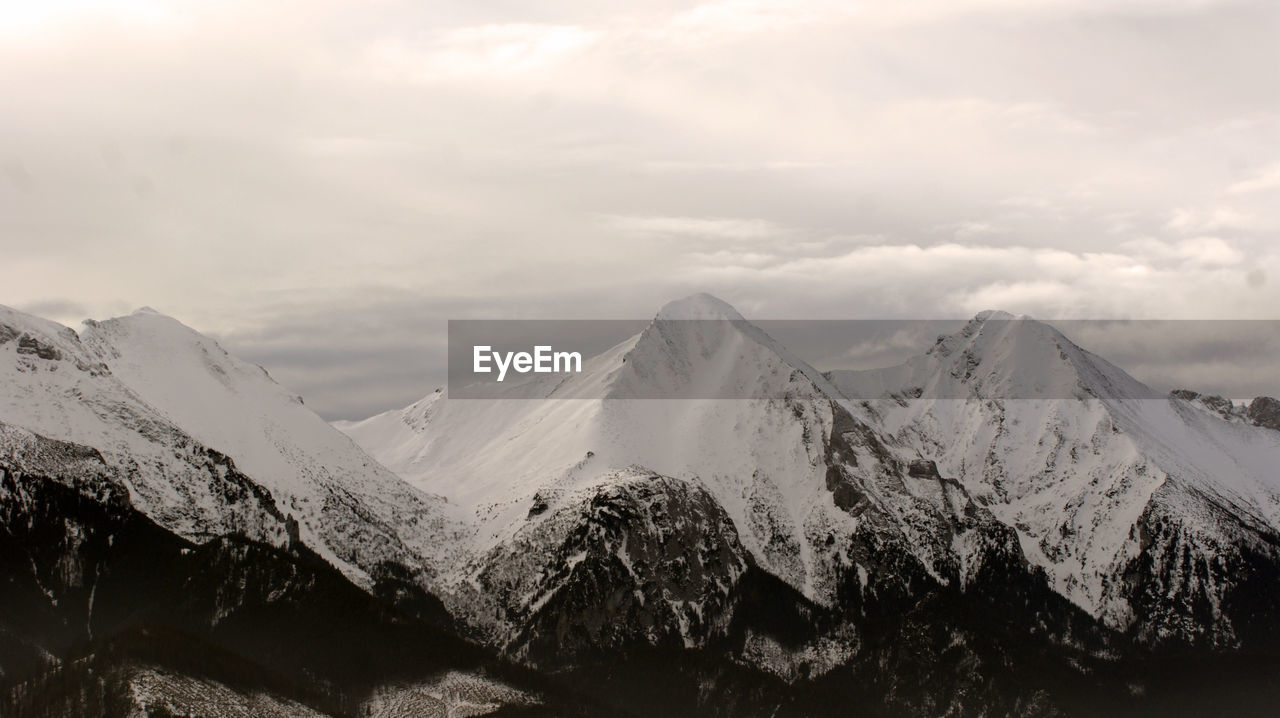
(321, 184)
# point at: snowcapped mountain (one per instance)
(815, 494)
(163, 402)
(1142, 509)
(146, 572)
(349, 508)
(1005, 459)
(1005, 524)
(762, 459)
(54, 387)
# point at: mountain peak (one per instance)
(700, 306)
(145, 327)
(995, 314)
(700, 346)
(997, 355)
(14, 322)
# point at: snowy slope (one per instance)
(349, 508)
(158, 691)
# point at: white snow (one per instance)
(452, 694)
(154, 690)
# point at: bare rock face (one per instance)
(1207, 585)
(1265, 411)
(923, 469)
(1215, 403)
(638, 560)
(31, 345)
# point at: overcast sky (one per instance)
(321, 184)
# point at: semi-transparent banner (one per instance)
(991, 358)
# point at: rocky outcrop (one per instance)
(31, 345)
(1203, 579)
(924, 469)
(1219, 405)
(1264, 411)
(638, 559)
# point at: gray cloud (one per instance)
(322, 199)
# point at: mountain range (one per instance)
(183, 536)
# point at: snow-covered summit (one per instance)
(700, 306)
(700, 347)
(997, 356)
(14, 323)
(994, 314)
